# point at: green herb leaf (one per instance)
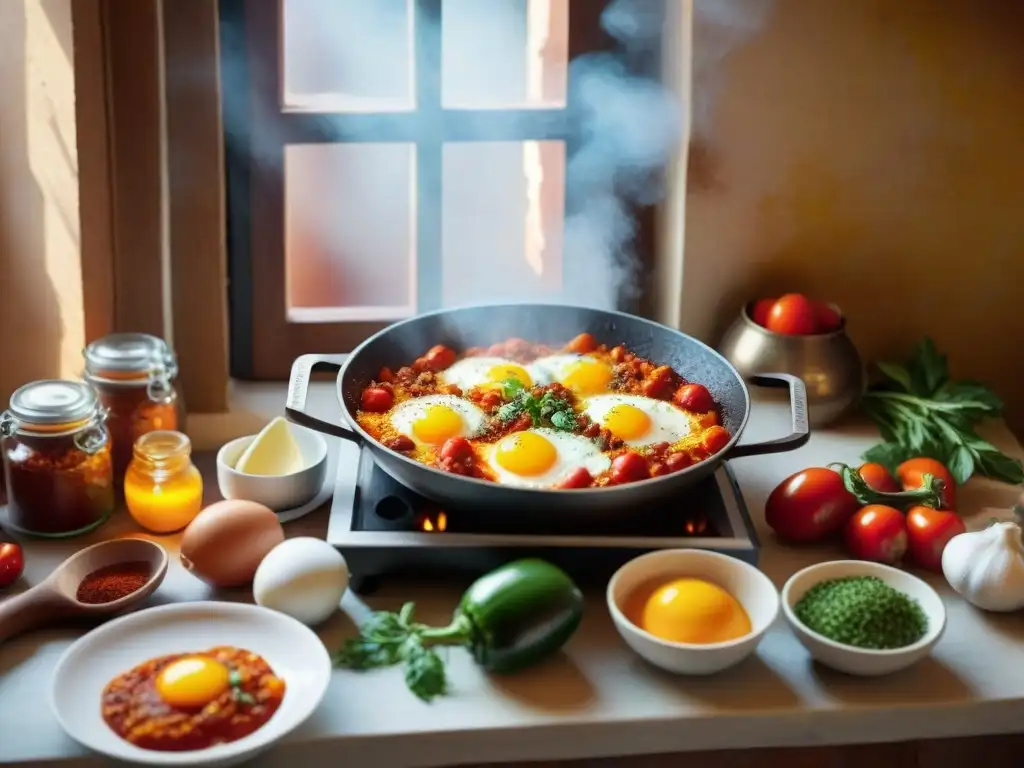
(961, 464)
(424, 670)
(564, 420)
(929, 370)
(897, 373)
(995, 464)
(510, 411)
(972, 394)
(512, 387)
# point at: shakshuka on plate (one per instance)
(533, 416)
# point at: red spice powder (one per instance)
(113, 582)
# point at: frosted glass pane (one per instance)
(500, 54)
(502, 221)
(347, 55)
(350, 232)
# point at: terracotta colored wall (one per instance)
(41, 322)
(870, 152)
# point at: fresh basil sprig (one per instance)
(544, 411)
(920, 411)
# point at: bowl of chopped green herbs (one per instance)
(863, 618)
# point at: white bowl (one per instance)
(848, 658)
(754, 591)
(293, 651)
(279, 492)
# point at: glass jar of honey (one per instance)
(56, 460)
(133, 374)
(162, 488)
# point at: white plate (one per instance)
(293, 651)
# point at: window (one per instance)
(399, 156)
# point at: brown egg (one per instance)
(228, 540)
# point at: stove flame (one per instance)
(696, 527)
(438, 525)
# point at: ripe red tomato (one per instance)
(810, 505)
(578, 478)
(877, 533)
(793, 315)
(695, 398)
(628, 468)
(928, 532)
(760, 311)
(376, 400)
(878, 477)
(912, 471)
(12, 563)
(826, 317)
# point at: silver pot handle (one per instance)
(298, 388)
(801, 426)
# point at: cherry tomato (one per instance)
(438, 358)
(826, 317)
(456, 448)
(715, 439)
(12, 563)
(578, 478)
(810, 505)
(928, 532)
(694, 397)
(911, 475)
(376, 400)
(793, 315)
(760, 311)
(582, 344)
(877, 533)
(878, 477)
(677, 461)
(629, 467)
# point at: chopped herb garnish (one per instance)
(545, 411)
(237, 692)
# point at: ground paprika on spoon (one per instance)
(113, 582)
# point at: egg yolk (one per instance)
(587, 377)
(499, 373)
(627, 422)
(694, 611)
(192, 682)
(437, 424)
(526, 454)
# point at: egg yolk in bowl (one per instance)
(688, 610)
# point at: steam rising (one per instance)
(625, 128)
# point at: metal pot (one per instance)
(827, 363)
(482, 326)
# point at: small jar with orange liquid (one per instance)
(133, 375)
(162, 487)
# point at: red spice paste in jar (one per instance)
(133, 374)
(113, 582)
(56, 459)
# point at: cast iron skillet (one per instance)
(481, 326)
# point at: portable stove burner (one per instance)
(384, 529)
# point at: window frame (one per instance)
(263, 343)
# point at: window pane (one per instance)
(347, 55)
(505, 53)
(349, 232)
(503, 211)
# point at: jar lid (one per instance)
(130, 353)
(53, 401)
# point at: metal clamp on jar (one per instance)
(133, 374)
(56, 460)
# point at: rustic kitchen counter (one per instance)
(598, 699)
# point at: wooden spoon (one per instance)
(55, 598)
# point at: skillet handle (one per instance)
(298, 388)
(801, 428)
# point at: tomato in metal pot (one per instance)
(438, 358)
(878, 477)
(12, 563)
(578, 478)
(809, 505)
(877, 533)
(376, 400)
(911, 475)
(828, 320)
(792, 315)
(928, 532)
(760, 311)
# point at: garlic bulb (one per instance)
(987, 567)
